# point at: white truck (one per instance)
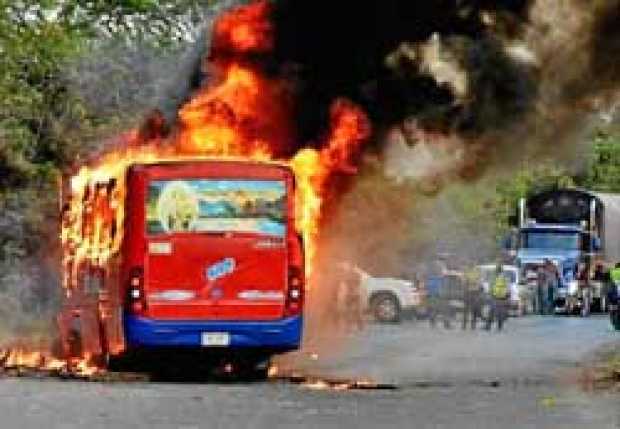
(389, 299)
(576, 230)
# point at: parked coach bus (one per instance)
(209, 260)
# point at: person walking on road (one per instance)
(472, 298)
(540, 294)
(499, 299)
(584, 290)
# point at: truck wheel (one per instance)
(386, 308)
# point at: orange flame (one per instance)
(240, 114)
(245, 30)
(29, 358)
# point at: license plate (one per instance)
(215, 339)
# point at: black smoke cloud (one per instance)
(333, 49)
(341, 47)
(605, 46)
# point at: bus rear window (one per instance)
(211, 205)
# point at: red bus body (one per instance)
(209, 259)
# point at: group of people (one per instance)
(548, 281)
(474, 298)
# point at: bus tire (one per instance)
(257, 374)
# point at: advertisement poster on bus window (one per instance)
(207, 205)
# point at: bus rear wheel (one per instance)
(249, 369)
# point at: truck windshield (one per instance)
(213, 205)
(551, 240)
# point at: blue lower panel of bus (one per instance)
(284, 334)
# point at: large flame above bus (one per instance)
(241, 113)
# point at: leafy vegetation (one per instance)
(492, 204)
(45, 125)
(603, 172)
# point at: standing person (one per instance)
(613, 295)
(614, 275)
(472, 297)
(551, 282)
(439, 302)
(354, 302)
(540, 285)
(349, 298)
(602, 277)
(584, 289)
(499, 299)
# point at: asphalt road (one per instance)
(521, 378)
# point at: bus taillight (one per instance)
(136, 299)
(295, 295)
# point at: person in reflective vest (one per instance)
(499, 299)
(613, 296)
(612, 292)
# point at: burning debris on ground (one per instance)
(32, 361)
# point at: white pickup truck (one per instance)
(389, 299)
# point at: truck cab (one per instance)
(563, 245)
(565, 227)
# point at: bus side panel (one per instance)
(110, 311)
(79, 317)
(133, 249)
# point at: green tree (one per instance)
(38, 41)
(529, 180)
(603, 169)
(44, 125)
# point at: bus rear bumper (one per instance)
(283, 335)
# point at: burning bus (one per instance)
(185, 255)
(202, 234)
